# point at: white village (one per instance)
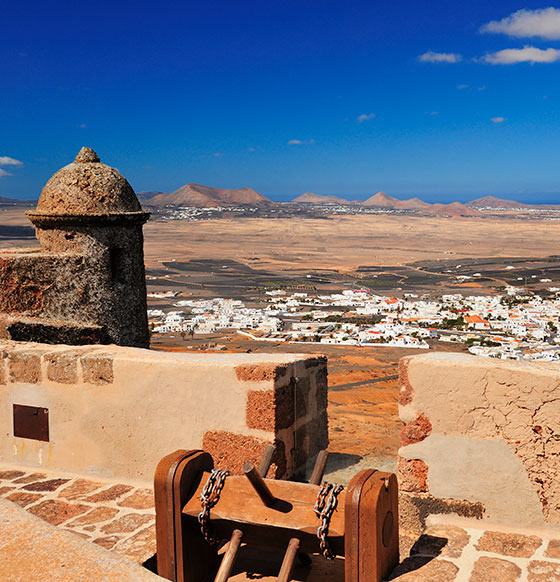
(515, 325)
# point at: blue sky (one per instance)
(442, 100)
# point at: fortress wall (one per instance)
(115, 411)
(483, 431)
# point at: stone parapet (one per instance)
(483, 431)
(113, 412)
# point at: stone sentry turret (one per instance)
(86, 284)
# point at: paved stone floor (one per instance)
(118, 517)
(121, 518)
(463, 551)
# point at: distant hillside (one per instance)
(382, 200)
(205, 196)
(416, 204)
(310, 198)
(16, 202)
(493, 202)
(145, 196)
(453, 209)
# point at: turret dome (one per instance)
(87, 188)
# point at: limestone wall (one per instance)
(482, 430)
(115, 411)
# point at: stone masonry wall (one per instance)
(484, 431)
(114, 411)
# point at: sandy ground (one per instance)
(345, 242)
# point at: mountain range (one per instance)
(382, 200)
(205, 196)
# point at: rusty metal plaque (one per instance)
(31, 422)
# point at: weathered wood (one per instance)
(291, 516)
(229, 557)
(182, 553)
(364, 527)
(259, 484)
(287, 567)
(370, 510)
(319, 468)
(165, 523)
(266, 460)
(197, 562)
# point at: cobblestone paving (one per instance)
(467, 553)
(118, 517)
(121, 518)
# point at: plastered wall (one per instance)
(482, 430)
(114, 411)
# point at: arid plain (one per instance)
(345, 242)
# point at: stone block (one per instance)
(416, 430)
(10, 475)
(25, 366)
(140, 546)
(494, 569)
(127, 523)
(57, 512)
(261, 410)
(79, 489)
(508, 544)
(231, 450)
(49, 485)
(111, 494)
(413, 475)
(541, 571)
(96, 515)
(260, 372)
(140, 499)
(62, 367)
(97, 369)
(271, 410)
(553, 549)
(23, 499)
(455, 538)
(30, 478)
(107, 542)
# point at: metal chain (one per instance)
(208, 498)
(327, 502)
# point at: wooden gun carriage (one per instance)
(360, 523)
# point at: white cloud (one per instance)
(544, 22)
(81, 126)
(433, 57)
(301, 142)
(497, 119)
(4, 173)
(218, 155)
(528, 54)
(463, 86)
(7, 161)
(365, 117)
